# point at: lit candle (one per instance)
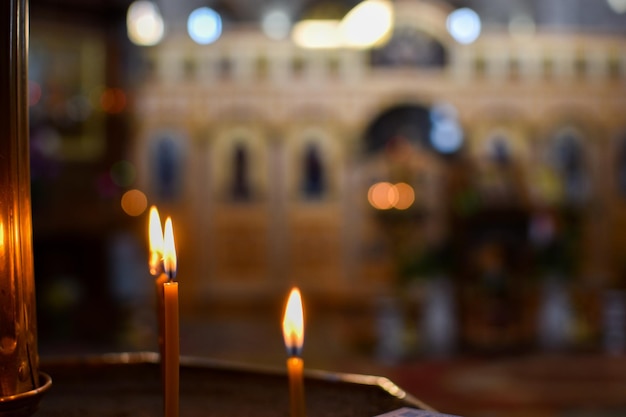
(155, 235)
(170, 324)
(293, 332)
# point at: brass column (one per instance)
(20, 381)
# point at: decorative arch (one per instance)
(500, 139)
(167, 150)
(402, 120)
(435, 128)
(410, 47)
(420, 38)
(567, 153)
(240, 163)
(313, 162)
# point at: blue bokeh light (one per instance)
(204, 25)
(464, 25)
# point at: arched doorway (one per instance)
(410, 235)
(408, 150)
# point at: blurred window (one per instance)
(314, 181)
(241, 179)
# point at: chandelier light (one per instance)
(144, 23)
(204, 25)
(368, 24)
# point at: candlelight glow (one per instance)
(155, 237)
(1, 234)
(293, 322)
(169, 250)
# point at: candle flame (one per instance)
(293, 323)
(155, 237)
(169, 250)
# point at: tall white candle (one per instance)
(171, 361)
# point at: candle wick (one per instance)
(170, 276)
(293, 350)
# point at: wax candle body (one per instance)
(160, 308)
(171, 349)
(295, 368)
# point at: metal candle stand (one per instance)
(25, 403)
(21, 384)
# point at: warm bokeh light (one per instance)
(169, 250)
(464, 25)
(382, 195)
(134, 202)
(317, 34)
(406, 196)
(113, 100)
(276, 24)
(144, 23)
(368, 24)
(385, 195)
(293, 321)
(155, 238)
(1, 234)
(204, 25)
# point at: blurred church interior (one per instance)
(450, 197)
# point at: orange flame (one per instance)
(169, 250)
(155, 235)
(293, 323)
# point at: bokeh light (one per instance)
(385, 195)
(113, 100)
(406, 196)
(382, 195)
(204, 25)
(368, 24)
(276, 24)
(134, 202)
(446, 136)
(317, 34)
(464, 25)
(144, 23)
(618, 6)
